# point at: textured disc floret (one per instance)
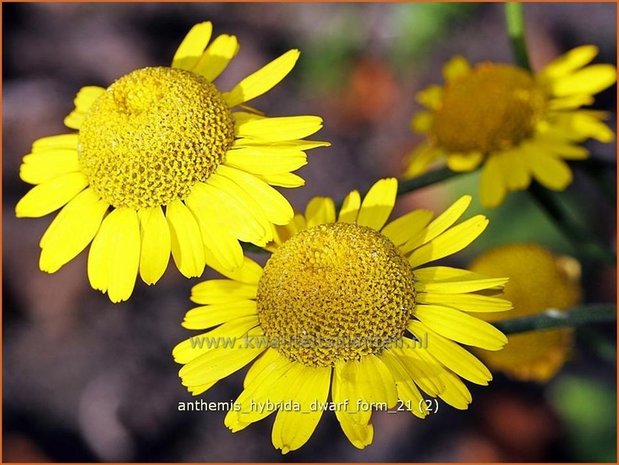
(152, 135)
(493, 108)
(335, 292)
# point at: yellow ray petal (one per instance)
(320, 210)
(455, 393)
(280, 129)
(208, 316)
(83, 101)
(40, 167)
(492, 184)
(375, 382)
(51, 195)
(262, 160)
(61, 141)
(465, 302)
(350, 208)
(217, 57)
(378, 204)
(346, 375)
(420, 159)
(407, 390)
(461, 162)
(425, 372)
(439, 224)
(514, 170)
(422, 122)
(292, 429)
(274, 205)
(461, 327)
(451, 241)
(185, 240)
(72, 230)
(156, 244)
(559, 148)
(569, 62)
(452, 355)
(359, 434)
(262, 80)
(271, 360)
(192, 46)
(249, 272)
(228, 336)
(446, 280)
(221, 291)
(551, 172)
(288, 180)
(115, 254)
(431, 97)
(455, 68)
(590, 80)
(407, 226)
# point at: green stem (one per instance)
(514, 15)
(576, 316)
(585, 245)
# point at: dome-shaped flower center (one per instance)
(335, 292)
(152, 135)
(493, 108)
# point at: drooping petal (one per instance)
(213, 315)
(462, 162)
(115, 254)
(492, 184)
(156, 244)
(72, 230)
(421, 158)
(185, 239)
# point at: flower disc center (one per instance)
(493, 108)
(335, 292)
(152, 135)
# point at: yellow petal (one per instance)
(551, 172)
(559, 148)
(407, 226)
(288, 180)
(155, 244)
(274, 205)
(292, 429)
(586, 124)
(192, 46)
(420, 159)
(446, 280)
(464, 161)
(320, 210)
(185, 239)
(492, 184)
(217, 56)
(451, 241)
(227, 336)
(83, 101)
(514, 170)
(407, 390)
(221, 291)
(457, 67)
(570, 102)
(40, 167)
(465, 302)
(590, 80)
(115, 254)
(359, 434)
(51, 195)
(452, 355)
(431, 97)
(249, 272)
(280, 129)
(262, 80)
(346, 375)
(439, 224)
(460, 327)
(422, 122)
(208, 316)
(378, 204)
(569, 62)
(375, 382)
(425, 372)
(455, 393)
(350, 208)
(72, 230)
(61, 141)
(263, 160)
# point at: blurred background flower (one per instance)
(86, 380)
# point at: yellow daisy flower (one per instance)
(167, 137)
(538, 281)
(346, 305)
(517, 124)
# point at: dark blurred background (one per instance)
(87, 380)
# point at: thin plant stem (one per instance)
(514, 16)
(574, 317)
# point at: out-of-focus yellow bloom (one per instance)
(538, 281)
(518, 125)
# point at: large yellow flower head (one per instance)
(346, 305)
(517, 124)
(167, 138)
(538, 281)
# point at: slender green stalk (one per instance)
(577, 316)
(514, 15)
(584, 244)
